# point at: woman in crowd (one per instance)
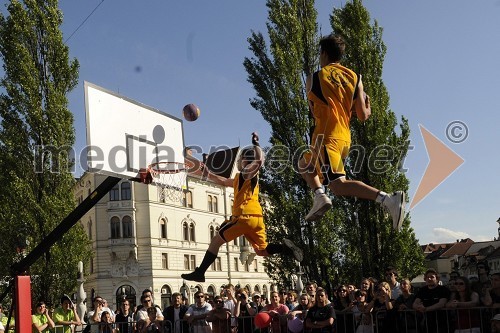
(291, 298)
(362, 316)
(342, 304)
(380, 306)
(321, 316)
(466, 320)
(368, 288)
(300, 311)
(404, 303)
(276, 310)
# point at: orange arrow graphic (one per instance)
(442, 163)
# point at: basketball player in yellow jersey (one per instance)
(246, 216)
(333, 93)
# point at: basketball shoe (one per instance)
(321, 205)
(394, 204)
(297, 252)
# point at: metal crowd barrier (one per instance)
(463, 320)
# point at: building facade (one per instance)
(141, 240)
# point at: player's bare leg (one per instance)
(394, 203)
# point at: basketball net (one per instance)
(170, 179)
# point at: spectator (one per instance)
(125, 318)
(291, 300)
(197, 313)
(276, 310)
(311, 287)
(142, 313)
(149, 324)
(148, 292)
(106, 323)
(300, 311)
(362, 317)
(495, 324)
(94, 316)
(66, 315)
(257, 301)
(2, 329)
(228, 293)
(220, 317)
(244, 312)
(174, 315)
(283, 298)
(391, 276)
(406, 319)
(466, 319)
(12, 323)
(380, 306)
(41, 320)
(108, 309)
(342, 305)
(429, 299)
(321, 316)
(368, 287)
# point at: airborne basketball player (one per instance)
(246, 216)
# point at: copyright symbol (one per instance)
(457, 131)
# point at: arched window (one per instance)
(209, 203)
(192, 232)
(125, 292)
(166, 295)
(126, 193)
(127, 227)
(215, 206)
(163, 228)
(185, 231)
(115, 227)
(212, 232)
(187, 199)
(114, 194)
(211, 291)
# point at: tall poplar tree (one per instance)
(355, 239)
(36, 138)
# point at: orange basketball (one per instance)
(191, 112)
(262, 320)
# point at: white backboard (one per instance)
(125, 136)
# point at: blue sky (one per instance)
(441, 66)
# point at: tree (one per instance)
(354, 239)
(36, 136)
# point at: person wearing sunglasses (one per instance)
(220, 317)
(142, 313)
(197, 313)
(463, 299)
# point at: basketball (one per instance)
(191, 112)
(295, 325)
(262, 320)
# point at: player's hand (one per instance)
(255, 139)
(367, 100)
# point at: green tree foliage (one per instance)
(354, 239)
(36, 136)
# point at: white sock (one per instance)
(381, 195)
(319, 190)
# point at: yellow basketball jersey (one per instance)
(246, 196)
(337, 83)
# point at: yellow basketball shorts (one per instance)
(328, 159)
(250, 226)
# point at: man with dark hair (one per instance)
(247, 218)
(66, 315)
(429, 302)
(174, 315)
(391, 276)
(197, 313)
(334, 93)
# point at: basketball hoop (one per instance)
(169, 178)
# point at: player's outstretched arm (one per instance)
(200, 170)
(252, 169)
(362, 105)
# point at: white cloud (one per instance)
(443, 235)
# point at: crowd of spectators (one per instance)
(372, 306)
